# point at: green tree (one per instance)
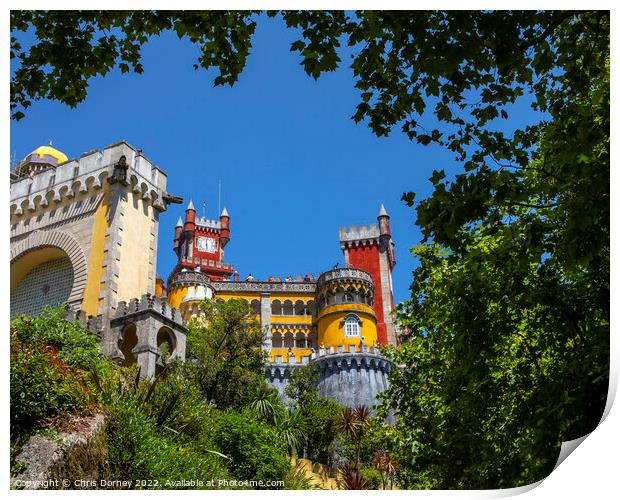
(320, 416)
(224, 351)
(302, 387)
(508, 352)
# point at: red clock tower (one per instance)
(199, 244)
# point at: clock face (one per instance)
(206, 244)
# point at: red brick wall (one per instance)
(367, 258)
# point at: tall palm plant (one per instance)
(353, 423)
(385, 464)
(350, 478)
(266, 403)
(292, 428)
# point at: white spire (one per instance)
(224, 213)
(383, 211)
(190, 206)
(179, 222)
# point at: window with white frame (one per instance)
(351, 326)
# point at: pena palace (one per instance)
(85, 233)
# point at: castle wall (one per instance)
(136, 270)
(103, 211)
(352, 378)
(98, 240)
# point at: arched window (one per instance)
(288, 308)
(288, 340)
(276, 340)
(300, 308)
(352, 326)
(300, 340)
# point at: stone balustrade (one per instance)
(344, 273)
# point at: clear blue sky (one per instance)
(294, 167)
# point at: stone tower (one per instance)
(370, 247)
(84, 233)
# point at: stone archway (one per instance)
(59, 245)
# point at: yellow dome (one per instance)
(49, 150)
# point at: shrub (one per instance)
(255, 451)
(75, 346)
(372, 477)
(42, 385)
(137, 449)
(51, 359)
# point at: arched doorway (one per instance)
(39, 278)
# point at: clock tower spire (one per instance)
(200, 243)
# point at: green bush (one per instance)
(137, 449)
(42, 385)
(254, 449)
(372, 477)
(76, 346)
(51, 359)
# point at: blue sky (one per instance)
(293, 166)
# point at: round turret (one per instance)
(345, 316)
(190, 218)
(224, 227)
(186, 289)
(40, 159)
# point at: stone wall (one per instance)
(353, 378)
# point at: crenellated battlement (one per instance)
(92, 323)
(87, 173)
(148, 303)
(359, 234)
(325, 352)
(346, 275)
(208, 223)
(265, 286)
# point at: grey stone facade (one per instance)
(151, 320)
(352, 378)
(153, 323)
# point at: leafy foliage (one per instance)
(319, 416)
(140, 448)
(49, 361)
(255, 450)
(508, 353)
(74, 46)
(302, 387)
(76, 346)
(266, 403)
(225, 351)
(322, 429)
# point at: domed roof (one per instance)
(41, 151)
